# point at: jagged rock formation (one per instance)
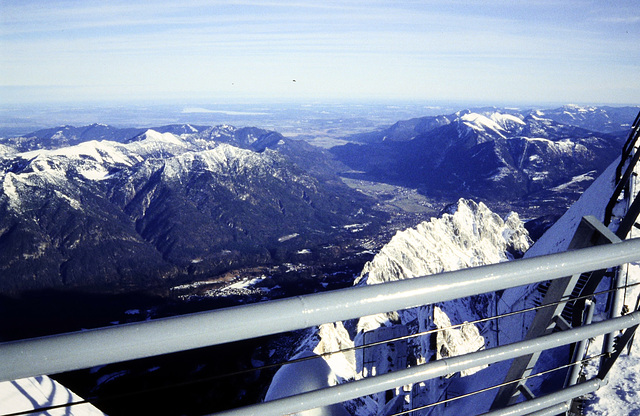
(467, 234)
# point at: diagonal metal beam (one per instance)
(590, 232)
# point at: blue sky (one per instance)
(499, 51)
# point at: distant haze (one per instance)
(496, 50)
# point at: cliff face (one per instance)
(467, 234)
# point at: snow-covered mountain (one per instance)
(603, 119)
(63, 136)
(160, 206)
(491, 154)
(467, 234)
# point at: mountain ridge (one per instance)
(495, 157)
(159, 207)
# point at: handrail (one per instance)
(433, 369)
(50, 355)
(549, 400)
(621, 181)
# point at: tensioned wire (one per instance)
(565, 299)
(483, 390)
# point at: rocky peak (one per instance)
(467, 234)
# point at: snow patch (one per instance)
(287, 237)
(481, 123)
(74, 203)
(585, 177)
(36, 392)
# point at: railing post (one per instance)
(578, 353)
(615, 310)
(590, 232)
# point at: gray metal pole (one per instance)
(615, 309)
(544, 402)
(559, 409)
(72, 351)
(442, 367)
(578, 353)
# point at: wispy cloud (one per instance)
(356, 46)
(626, 20)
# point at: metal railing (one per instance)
(71, 351)
(79, 350)
(51, 354)
(628, 158)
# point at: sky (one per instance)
(490, 51)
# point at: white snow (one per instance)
(620, 396)
(305, 376)
(506, 121)
(501, 173)
(74, 203)
(481, 123)
(162, 137)
(575, 180)
(457, 341)
(10, 191)
(287, 237)
(35, 392)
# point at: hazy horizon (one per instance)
(210, 51)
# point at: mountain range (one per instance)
(492, 155)
(113, 208)
(157, 207)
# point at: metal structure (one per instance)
(590, 232)
(77, 350)
(563, 318)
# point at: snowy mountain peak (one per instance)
(160, 137)
(482, 124)
(506, 121)
(579, 108)
(537, 114)
(467, 234)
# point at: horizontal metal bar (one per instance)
(71, 351)
(548, 400)
(556, 410)
(348, 391)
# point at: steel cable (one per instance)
(322, 355)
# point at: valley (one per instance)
(103, 225)
(184, 210)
